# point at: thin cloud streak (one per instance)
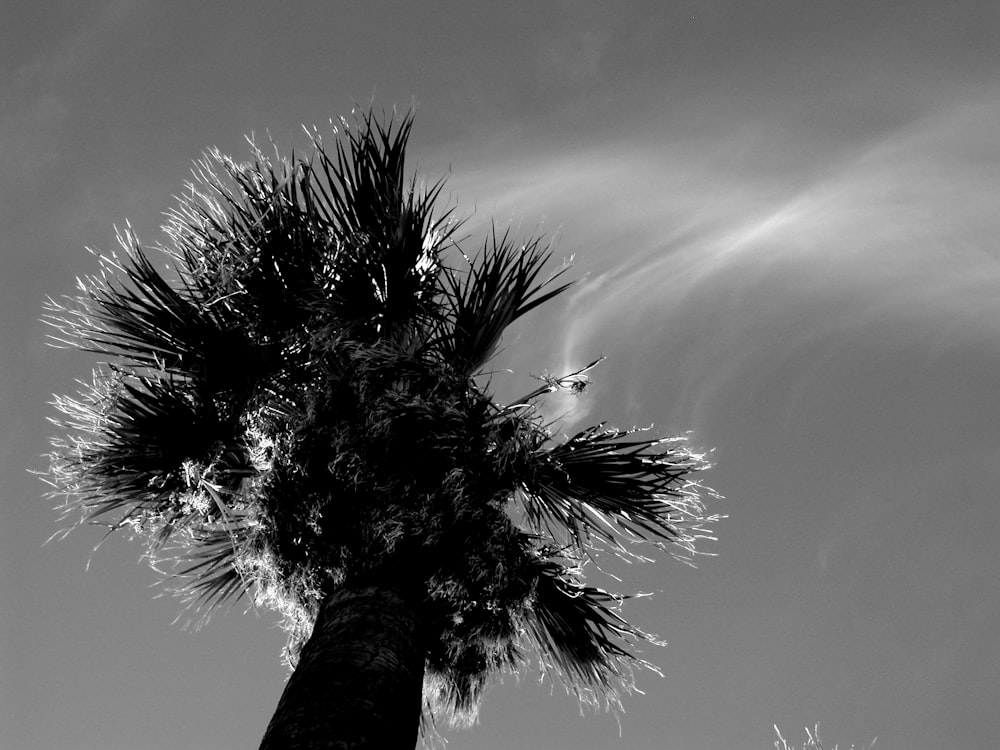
(904, 230)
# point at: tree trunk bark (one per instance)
(359, 680)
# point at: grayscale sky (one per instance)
(786, 216)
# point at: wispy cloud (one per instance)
(682, 239)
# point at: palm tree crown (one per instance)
(296, 402)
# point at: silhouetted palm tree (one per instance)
(294, 409)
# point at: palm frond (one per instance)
(160, 330)
(144, 319)
(390, 239)
(581, 637)
(575, 382)
(207, 570)
(501, 285)
(131, 439)
(248, 243)
(602, 484)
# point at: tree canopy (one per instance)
(296, 399)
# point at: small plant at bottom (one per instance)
(813, 741)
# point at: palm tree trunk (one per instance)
(358, 683)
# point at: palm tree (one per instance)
(294, 408)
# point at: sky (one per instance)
(784, 221)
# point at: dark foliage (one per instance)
(292, 403)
